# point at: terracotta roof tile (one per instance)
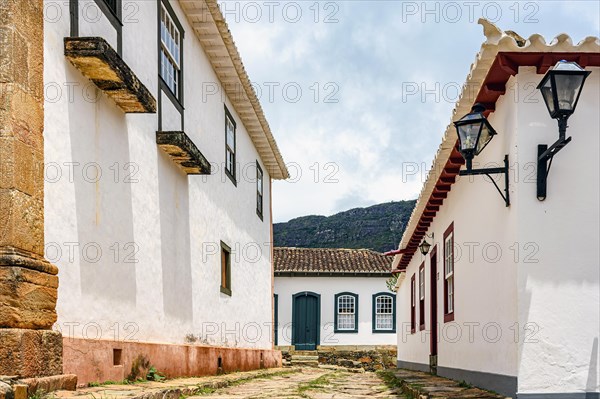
(330, 260)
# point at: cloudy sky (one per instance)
(358, 93)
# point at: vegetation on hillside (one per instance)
(378, 227)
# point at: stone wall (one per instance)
(369, 358)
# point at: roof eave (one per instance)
(496, 41)
(213, 33)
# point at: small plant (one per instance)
(139, 368)
(154, 375)
(190, 339)
(391, 282)
(464, 384)
(38, 394)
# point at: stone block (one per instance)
(30, 353)
(62, 382)
(23, 221)
(27, 298)
(6, 391)
(20, 391)
(19, 167)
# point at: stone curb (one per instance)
(419, 385)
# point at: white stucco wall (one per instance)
(485, 292)
(560, 295)
(144, 208)
(521, 271)
(328, 287)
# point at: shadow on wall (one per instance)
(103, 202)
(175, 239)
(593, 383)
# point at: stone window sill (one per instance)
(100, 63)
(183, 152)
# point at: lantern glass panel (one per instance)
(469, 132)
(548, 95)
(568, 87)
(484, 138)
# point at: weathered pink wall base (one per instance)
(93, 360)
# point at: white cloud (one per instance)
(372, 135)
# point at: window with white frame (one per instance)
(346, 312)
(170, 55)
(384, 310)
(449, 273)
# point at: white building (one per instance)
(154, 260)
(333, 297)
(508, 297)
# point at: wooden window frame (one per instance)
(336, 328)
(225, 285)
(422, 297)
(114, 17)
(413, 304)
(449, 308)
(110, 12)
(176, 98)
(231, 173)
(376, 330)
(260, 192)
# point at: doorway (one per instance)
(306, 319)
(433, 307)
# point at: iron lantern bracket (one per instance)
(492, 171)
(546, 155)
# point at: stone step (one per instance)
(305, 364)
(304, 358)
(305, 353)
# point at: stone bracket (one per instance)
(183, 152)
(100, 63)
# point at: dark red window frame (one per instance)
(413, 315)
(449, 316)
(422, 297)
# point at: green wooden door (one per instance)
(306, 317)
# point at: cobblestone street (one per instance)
(310, 383)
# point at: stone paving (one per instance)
(419, 384)
(310, 383)
(295, 383)
(324, 382)
(169, 389)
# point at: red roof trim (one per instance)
(504, 66)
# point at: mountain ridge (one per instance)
(377, 227)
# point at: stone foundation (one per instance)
(28, 290)
(104, 360)
(30, 353)
(367, 357)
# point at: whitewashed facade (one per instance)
(361, 334)
(525, 317)
(139, 242)
(355, 306)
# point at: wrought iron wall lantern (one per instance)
(424, 246)
(561, 88)
(474, 134)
